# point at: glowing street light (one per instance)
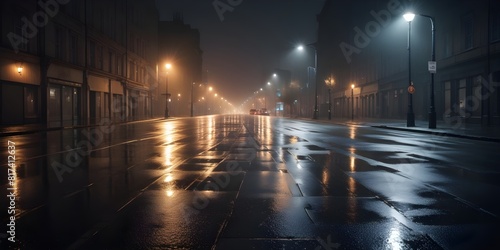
(409, 16)
(168, 66)
(330, 82)
(432, 110)
(352, 102)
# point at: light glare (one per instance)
(409, 16)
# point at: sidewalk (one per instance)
(36, 128)
(468, 131)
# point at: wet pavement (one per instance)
(251, 182)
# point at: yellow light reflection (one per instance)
(170, 193)
(352, 159)
(352, 164)
(325, 174)
(169, 139)
(210, 128)
(269, 131)
(352, 132)
(168, 155)
(169, 178)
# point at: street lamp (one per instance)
(432, 65)
(329, 82)
(432, 109)
(410, 116)
(352, 102)
(300, 48)
(168, 66)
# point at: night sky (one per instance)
(248, 39)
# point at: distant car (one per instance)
(253, 111)
(263, 111)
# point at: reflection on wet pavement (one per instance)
(244, 182)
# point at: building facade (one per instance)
(78, 62)
(366, 44)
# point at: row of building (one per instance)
(365, 44)
(77, 62)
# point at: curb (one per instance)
(437, 133)
(471, 137)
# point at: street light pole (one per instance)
(167, 95)
(329, 104)
(192, 95)
(315, 114)
(432, 109)
(329, 82)
(410, 116)
(352, 102)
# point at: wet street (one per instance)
(250, 182)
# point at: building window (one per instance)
(468, 31)
(92, 54)
(447, 97)
(474, 102)
(74, 48)
(132, 70)
(448, 45)
(19, 31)
(106, 105)
(119, 66)
(495, 25)
(31, 102)
(59, 43)
(111, 61)
(99, 57)
(462, 94)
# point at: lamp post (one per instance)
(274, 92)
(208, 101)
(192, 97)
(352, 102)
(315, 112)
(329, 82)
(167, 95)
(432, 65)
(410, 116)
(432, 108)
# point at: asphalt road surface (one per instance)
(248, 182)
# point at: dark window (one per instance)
(59, 43)
(111, 61)
(99, 56)
(73, 49)
(19, 31)
(31, 102)
(92, 54)
(468, 31)
(495, 25)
